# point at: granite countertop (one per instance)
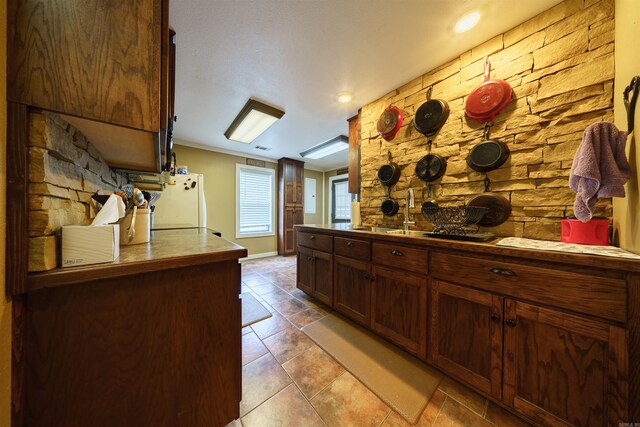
(167, 249)
(487, 248)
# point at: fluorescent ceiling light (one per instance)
(467, 22)
(339, 143)
(254, 118)
(344, 97)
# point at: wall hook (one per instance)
(630, 105)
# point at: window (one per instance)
(309, 196)
(340, 199)
(254, 201)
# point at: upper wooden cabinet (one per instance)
(290, 203)
(96, 63)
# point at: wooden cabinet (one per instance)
(315, 274)
(399, 308)
(560, 368)
(290, 203)
(305, 270)
(99, 64)
(353, 288)
(465, 338)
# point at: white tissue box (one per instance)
(84, 244)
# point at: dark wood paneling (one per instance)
(18, 361)
(352, 292)
(159, 349)
(558, 366)
(70, 60)
(405, 257)
(354, 154)
(304, 267)
(17, 243)
(466, 335)
(323, 276)
(399, 308)
(322, 242)
(634, 346)
(353, 248)
(582, 292)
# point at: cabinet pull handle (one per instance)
(309, 259)
(312, 237)
(366, 276)
(511, 323)
(503, 271)
(396, 252)
(495, 317)
(372, 277)
(350, 244)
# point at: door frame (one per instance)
(331, 180)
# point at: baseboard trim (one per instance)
(262, 255)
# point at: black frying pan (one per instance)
(389, 206)
(488, 155)
(431, 115)
(431, 167)
(389, 173)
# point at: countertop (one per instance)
(486, 248)
(167, 249)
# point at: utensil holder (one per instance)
(142, 227)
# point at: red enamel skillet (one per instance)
(488, 99)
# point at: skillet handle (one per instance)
(487, 70)
(429, 93)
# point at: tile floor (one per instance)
(287, 380)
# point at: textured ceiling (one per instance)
(299, 54)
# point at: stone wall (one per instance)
(561, 67)
(64, 171)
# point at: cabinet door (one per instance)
(561, 369)
(323, 276)
(305, 270)
(289, 234)
(466, 335)
(299, 185)
(399, 308)
(352, 289)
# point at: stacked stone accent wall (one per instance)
(560, 65)
(64, 171)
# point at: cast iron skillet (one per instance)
(488, 155)
(389, 173)
(499, 207)
(389, 206)
(488, 99)
(431, 167)
(431, 115)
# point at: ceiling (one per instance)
(299, 54)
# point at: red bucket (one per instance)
(592, 232)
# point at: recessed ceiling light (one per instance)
(467, 22)
(344, 97)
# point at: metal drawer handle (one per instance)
(511, 323)
(309, 259)
(495, 317)
(350, 244)
(396, 252)
(503, 271)
(312, 237)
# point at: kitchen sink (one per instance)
(411, 233)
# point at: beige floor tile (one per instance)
(265, 289)
(261, 379)
(395, 420)
(432, 410)
(288, 408)
(313, 370)
(501, 417)
(246, 330)
(234, 423)
(305, 317)
(346, 402)
(252, 348)
(454, 414)
(276, 296)
(274, 324)
(462, 394)
(256, 281)
(289, 306)
(287, 344)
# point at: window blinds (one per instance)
(255, 201)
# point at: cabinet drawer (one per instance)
(402, 257)
(353, 248)
(589, 294)
(321, 242)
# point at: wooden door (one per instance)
(466, 335)
(399, 308)
(305, 270)
(323, 276)
(352, 289)
(560, 368)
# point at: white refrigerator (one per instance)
(181, 204)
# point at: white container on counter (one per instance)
(141, 227)
(84, 244)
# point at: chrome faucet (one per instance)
(409, 203)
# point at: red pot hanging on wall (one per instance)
(488, 99)
(390, 122)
